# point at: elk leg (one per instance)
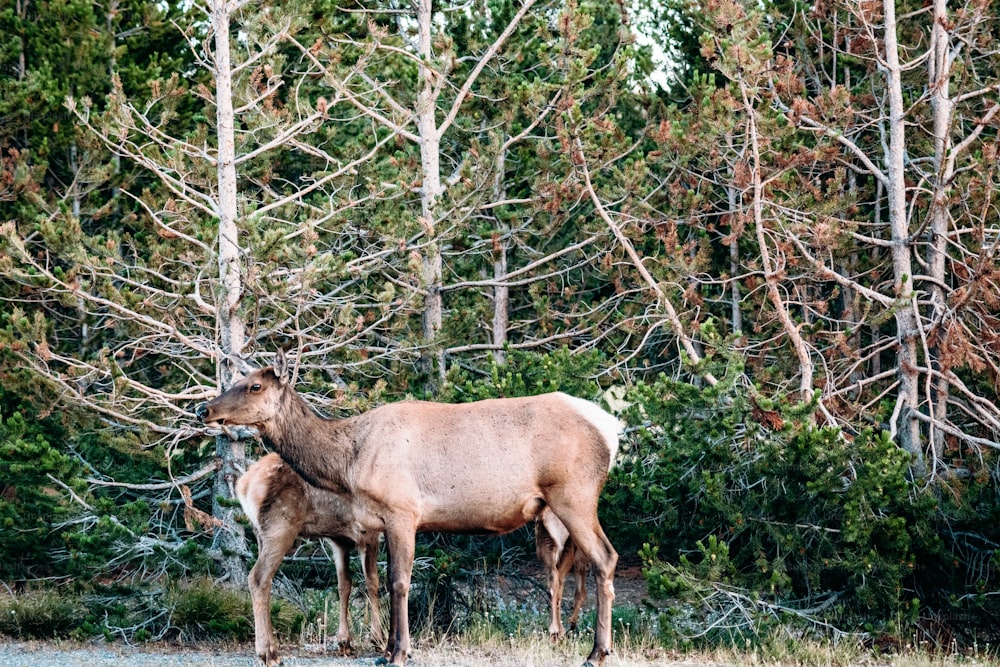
(369, 567)
(273, 547)
(341, 559)
(580, 567)
(401, 540)
(589, 538)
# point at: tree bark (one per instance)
(501, 292)
(430, 190)
(938, 74)
(735, 231)
(229, 537)
(904, 424)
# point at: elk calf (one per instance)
(282, 506)
(488, 467)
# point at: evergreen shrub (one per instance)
(31, 501)
(742, 506)
(525, 373)
(202, 609)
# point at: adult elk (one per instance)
(487, 467)
(282, 506)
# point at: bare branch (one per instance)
(662, 299)
(481, 64)
(160, 486)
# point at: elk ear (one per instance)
(281, 367)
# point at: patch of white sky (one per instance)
(643, 18)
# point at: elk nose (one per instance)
(201, 411)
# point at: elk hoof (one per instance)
(270, 658)
(597, 656)
(391, 660)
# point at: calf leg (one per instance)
(580, 567)
(274, 544)
(341, 559)
(390, 642)
(552, 546)
(369, 567)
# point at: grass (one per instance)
(42, 614)
(519, 638)
(499, 636)
(536, 651)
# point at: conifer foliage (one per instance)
(781, 269)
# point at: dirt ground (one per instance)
(526, 586)
(52, 654)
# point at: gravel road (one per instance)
(53, 654)
(69, 654)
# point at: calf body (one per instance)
(282, 506)
(489, 466)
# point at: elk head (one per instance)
(253, 401)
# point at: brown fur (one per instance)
(559, 555)
(282, 506)
(489, 466)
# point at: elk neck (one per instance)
(317, 448)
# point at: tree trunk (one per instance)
(229, 537)
(904, 425)
(430, 155)
(735, 231)
(938, 74)
(501, 293)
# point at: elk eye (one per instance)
(254, 388)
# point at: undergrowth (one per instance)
(44, 614)
(200, 610)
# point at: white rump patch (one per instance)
(606, 423)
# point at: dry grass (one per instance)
(449, 654)
(538, 651)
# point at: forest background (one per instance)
(763, 233)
